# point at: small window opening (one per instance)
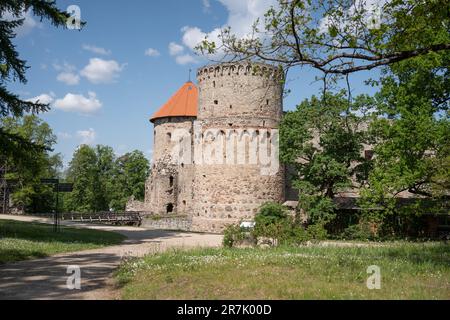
(171, 181)
(169, 208)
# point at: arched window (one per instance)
(171, 181)
(169, 136)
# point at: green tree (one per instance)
(13, 68)
(105, 167)
(341, 36)
(102, 181)
(132, 170)
(411, 131)
(83, 174)
(323, 140)
(30, 194)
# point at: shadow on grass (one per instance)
(29, 240)
(11, 255)
(44, 232)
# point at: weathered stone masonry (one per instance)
(233, 98)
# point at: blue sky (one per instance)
(105, 81)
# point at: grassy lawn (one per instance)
(408, 271)
(27, 240)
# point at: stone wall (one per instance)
(167, 223)
(169, 186)
(164, 137)
(240, 104)
(135, 205)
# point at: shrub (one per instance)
(234, 234)
(299, 235)
(360, 231)
(231, 234)
(270, 213)
(317, 232)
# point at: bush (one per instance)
(360, 231)
(287, 232)
(270, 213)
(231, 234)
(317, 232)
(234, 234)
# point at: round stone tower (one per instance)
(236, 143)
(169, 186)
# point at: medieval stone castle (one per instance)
(215, 154)
(236, 105)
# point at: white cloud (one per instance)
(101, 71)
(67, 73)
(43, 98)
(64, 135)
(68, 78)
(79, 103)
(66, 67)
(175, 49)
(185, 59)
(242, 14)
(96, 50)
(152, 52)
(29, 22)
(87, 136)
(371, 10)
(206, 6)
(182, 58)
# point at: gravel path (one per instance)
(46, 278)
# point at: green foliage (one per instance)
(325, 165)
(410, 130)
(84, 174)
(273, 222)
(317, 231)
(130, 173)
(359, 231)
(35, 164)
(102, 181)
(232, 234)
(330, 35)
(270, 213)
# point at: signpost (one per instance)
(57, 187)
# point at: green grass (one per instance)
(408, 271)
(27, 240)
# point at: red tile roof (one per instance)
(183, 103)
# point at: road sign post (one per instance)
(57, 187)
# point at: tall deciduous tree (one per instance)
(102, 181)
(323, 140)
(83, 174)
(411, 131)
(29, 193)
(132, 170)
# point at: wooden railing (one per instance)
(120, 218)
(115, 218)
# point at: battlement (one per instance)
(256, 69)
